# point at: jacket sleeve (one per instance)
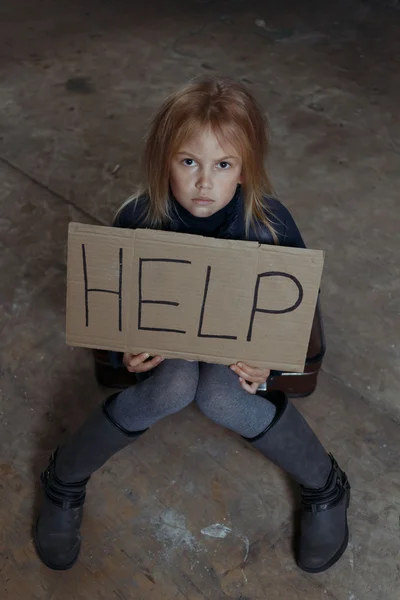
(285, 226)
(132, 214)
(292, 236)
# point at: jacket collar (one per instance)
(234, 228)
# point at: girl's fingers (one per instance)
(252, 371)
(255, 376)
(143, 367)
(137, 359)
(240, 372)
(251, 388)
(256, 372)
(150, 364)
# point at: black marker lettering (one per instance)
(203, 308)
(88, 289)
(141, 301)
(274, 312)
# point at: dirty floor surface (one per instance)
(191, 511)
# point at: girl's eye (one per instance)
(224, 165)
(189, 162)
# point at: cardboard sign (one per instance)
(190, 297)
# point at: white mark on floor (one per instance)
(221, 531)
(216, 531)
(170, 529)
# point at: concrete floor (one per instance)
(78, 81)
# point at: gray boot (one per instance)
(57, 534)
(290, 443)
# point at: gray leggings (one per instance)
(176, 383)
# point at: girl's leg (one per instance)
(169, 388)
(121, 420)
(221, 397)
(285, 438)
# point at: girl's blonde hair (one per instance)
(234, 115)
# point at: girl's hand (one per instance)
(138, 363)
(250, 377)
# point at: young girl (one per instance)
(205, 174)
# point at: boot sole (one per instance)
(46, 562)
(338, 554)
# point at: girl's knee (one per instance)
(167, 390)
(176, 383)
(216, 385)
(212, 402)
(215, 407)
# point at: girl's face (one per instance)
(204, 174)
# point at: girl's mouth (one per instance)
(202, 201)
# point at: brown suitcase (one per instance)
(299, 385)
(296, 385)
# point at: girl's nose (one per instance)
(204, 181)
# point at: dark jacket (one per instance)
(132, 217)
